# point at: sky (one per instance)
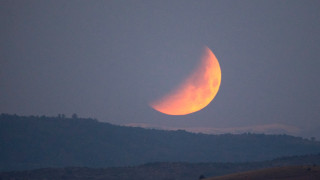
(109, 59)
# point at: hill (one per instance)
(39, 142)
(164, 171)
(279, 173)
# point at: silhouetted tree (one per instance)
(74, 116)
(201, 177)
(61, 116)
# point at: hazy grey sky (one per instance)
(109, 59)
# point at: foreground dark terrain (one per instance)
(168, 171)
(57, 142)
(279, 173)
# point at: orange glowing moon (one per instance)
(197, 90)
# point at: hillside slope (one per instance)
(39, 142)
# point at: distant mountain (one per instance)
(38, 142)
(177, 171)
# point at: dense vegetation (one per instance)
(39, 142)
(166, 171)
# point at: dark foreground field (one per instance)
(278, 173)
(296, 167)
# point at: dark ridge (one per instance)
(39, 142)
(161, 171)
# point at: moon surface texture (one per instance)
(196, 91)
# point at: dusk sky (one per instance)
(109, 59)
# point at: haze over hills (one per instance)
(40, 142)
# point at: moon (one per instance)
(196, 91)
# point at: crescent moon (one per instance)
(196, 91)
